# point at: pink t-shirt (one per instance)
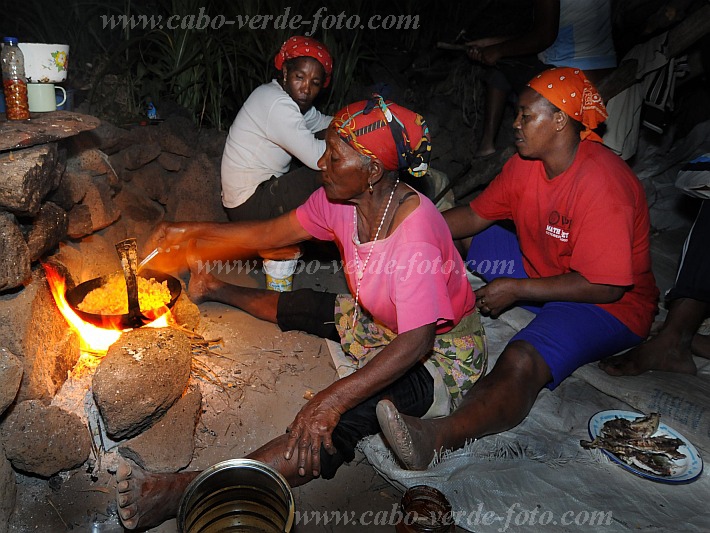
(414, 277)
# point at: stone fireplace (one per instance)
(71, 187)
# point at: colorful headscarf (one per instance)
(571, 91)
(396, 136)
(299, 46)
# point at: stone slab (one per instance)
(43, 128)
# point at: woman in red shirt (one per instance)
(581, 260)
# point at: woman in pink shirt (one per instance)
(410, 324)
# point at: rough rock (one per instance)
(143, 135)
(139, 155)
(94, 161)
(99, 199)
(49, 348)
(154, 181)
(14, 253)
(186, 313)
(28, 175)
(195, 194)
(43, 128)
(178, 428)
(91, 260)
(59, 168)
(136, 205)
(137, 211)
(8, 491)
(79, 222)
(71, 189)
(10, 378)
(178, 135)
(106, 137)
(211, 142)
(170, 162)
(142, 375)
(46, 230)
(15, 313)
(44, 440)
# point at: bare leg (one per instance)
(701, 346)
(671, 349)
(146, 500)
(498, 402)
(493, 116)
(204, 287)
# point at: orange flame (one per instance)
(93, 338)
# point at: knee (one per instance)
(522, 358)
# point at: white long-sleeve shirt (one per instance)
(268, 132)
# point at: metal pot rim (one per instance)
(242, 463)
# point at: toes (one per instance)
(122, 486)
(123, 471)
(127, 513)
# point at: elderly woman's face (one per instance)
(344, 174)
(303, 79)
(534, 125)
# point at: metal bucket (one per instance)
(237, 495)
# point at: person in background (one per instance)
(688, 301)
(277, 123)
(564, 33)
(411, 329)
(581, 259)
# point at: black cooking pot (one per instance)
(76, 295)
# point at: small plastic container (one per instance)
(279, 274)
(14, 81)
(425, 510)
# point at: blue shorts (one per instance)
(566, 334)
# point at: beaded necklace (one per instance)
(360, 273)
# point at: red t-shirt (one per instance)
(591, 219)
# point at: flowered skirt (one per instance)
(459, 355)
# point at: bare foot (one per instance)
(145, 499)
(662, 352)
(202, 283)
(413, 445)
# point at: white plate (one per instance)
(682, 470)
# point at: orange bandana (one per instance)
(571, 91)
(298, 46)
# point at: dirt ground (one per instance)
(266, 374)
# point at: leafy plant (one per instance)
(210, 72)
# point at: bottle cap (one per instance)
(10, 40)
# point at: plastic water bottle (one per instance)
(14, 81)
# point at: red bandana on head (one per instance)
(571, 91)
(299, 46)
(396, 136)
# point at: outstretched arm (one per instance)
(464, 222)
(220, 240)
